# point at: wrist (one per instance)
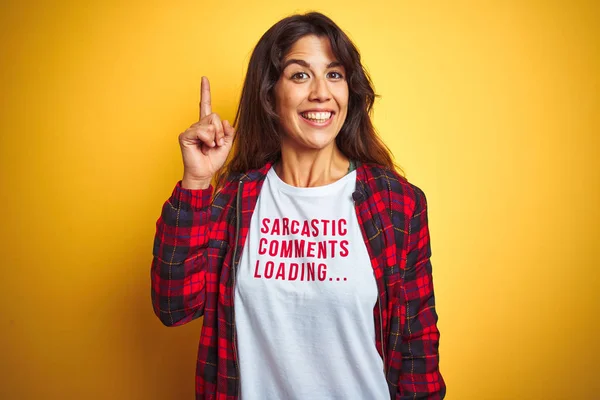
(195, 184)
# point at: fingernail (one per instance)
(213, 144)
(221, 142)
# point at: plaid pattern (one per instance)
(198, 244)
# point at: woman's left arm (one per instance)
(420, 377)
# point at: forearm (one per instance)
(420, 377)
(179, 264)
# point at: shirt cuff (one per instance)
(191, 199)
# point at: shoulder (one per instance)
(231, 183)
(393, 188)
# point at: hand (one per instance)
(204, 145)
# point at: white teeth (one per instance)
(317, 116)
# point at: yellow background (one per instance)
(491, 107)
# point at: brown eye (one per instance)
(335, 75)
(300, 76)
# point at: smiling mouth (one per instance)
(318, 117)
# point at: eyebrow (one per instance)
(307, 65)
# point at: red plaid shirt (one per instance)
(198, 245)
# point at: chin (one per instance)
(304, 138)
(317, 142)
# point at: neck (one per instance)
(309, 168)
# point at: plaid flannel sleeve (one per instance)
(420, 377)
(178, 271)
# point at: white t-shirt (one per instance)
(304, 298)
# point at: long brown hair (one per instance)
(258, 137)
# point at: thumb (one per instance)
(228, 130)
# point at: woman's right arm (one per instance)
(180, 260)
(183, 230)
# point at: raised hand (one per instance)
(205, 144)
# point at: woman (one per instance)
(311, 263)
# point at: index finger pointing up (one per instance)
(205, 107)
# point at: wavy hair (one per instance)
(258, 137)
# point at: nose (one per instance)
(319, 90)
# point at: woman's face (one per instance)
(311, 95)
